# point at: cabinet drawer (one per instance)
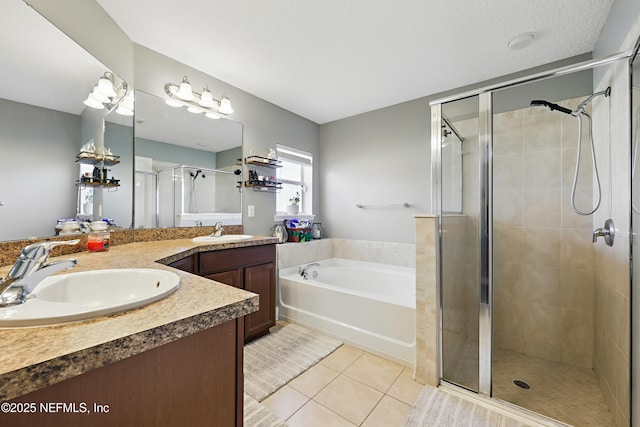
(228, 259)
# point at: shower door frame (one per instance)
(485, 146)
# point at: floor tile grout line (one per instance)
(343, 374)
(340, 373)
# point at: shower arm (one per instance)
(583, 104)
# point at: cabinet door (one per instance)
(193, 381)
(261, 280)
(185, 264)
(231, 277)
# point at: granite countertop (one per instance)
(33, 358)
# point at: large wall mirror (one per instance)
(186, 167)
(44, 123)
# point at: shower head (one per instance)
(195, 175)
(551, 106)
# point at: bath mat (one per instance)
(273, 360)
(256, 415)
(438, 408)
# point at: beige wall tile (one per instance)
(507, 173)
(577, 289)
(577, 249)
(542, 208)
(507, 133)
(541, 129)
(542, 169)
(508, 208)
(541, 246)
(541, 285)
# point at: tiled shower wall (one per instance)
(543, 255)
(612, 282)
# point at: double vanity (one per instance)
(176, 361)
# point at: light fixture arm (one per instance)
(122, 93)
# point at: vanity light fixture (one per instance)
(182, 95)
(125, 108)
(106, 94)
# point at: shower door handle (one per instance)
(608, 232)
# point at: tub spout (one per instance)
(304, 271)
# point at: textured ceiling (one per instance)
(331, 59)
(323, 60)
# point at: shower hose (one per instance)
(595, 166)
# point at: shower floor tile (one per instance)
(563, 392)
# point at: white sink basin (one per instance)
(89, 294)
(226, 238)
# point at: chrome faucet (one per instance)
(304, 271)
(608, 232)
(30, 269)
(217, 231)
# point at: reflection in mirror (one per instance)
(185, 167)
(451, 156)
(43, 125)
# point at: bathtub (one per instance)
(368, 305)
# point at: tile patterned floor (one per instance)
(349, 387)
(566, 393)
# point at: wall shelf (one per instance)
(96, 184)
(92, 159)
(263, 161)
(271, 186)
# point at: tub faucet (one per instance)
(217, 230)
(30, 269)
(304, 271)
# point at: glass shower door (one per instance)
(459, 215)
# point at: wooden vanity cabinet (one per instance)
(249, 268)
(196, 380)
(188, 264)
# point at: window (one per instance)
(296, 177)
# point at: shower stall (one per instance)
(186, 196)
(532, 313)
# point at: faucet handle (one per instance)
(38, 250)
(33, 256)
(608, 232)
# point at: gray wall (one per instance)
(34, 142)
(175, 154)
(377, 158)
